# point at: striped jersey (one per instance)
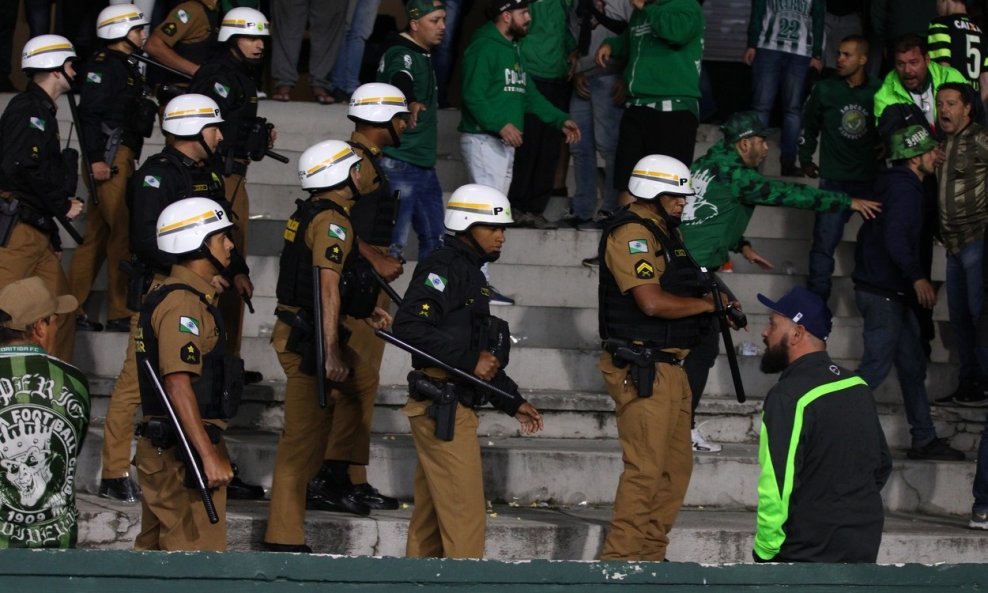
(790, 26)
(44, 413)
(958, 41)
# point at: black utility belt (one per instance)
(163, 435)
(422, 387)
(643, 352)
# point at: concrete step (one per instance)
(571, 471)
(524, 533)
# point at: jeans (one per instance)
(420, 205)
(489, 161)
(599, 119)
(980, 488)
(444, 53)
(964, 300)
(771, 71)
(361, 16)
(828, 230)
(891, 334)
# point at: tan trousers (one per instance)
(124, 400)
(349, 438)
(231, 304)
(449, 519)
(29, 253)
(301, 446)
(107, 238)
(658, 460)
(173, 517)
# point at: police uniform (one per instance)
(319, 233)
(373, 221)
(115, 112)
(191, 29)
(182, 332)
(637, 249)
(230, 82)
(447, 300)
(163, 179)
(33, 172)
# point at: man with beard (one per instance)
(822, 450)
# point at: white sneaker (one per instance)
(701, 444)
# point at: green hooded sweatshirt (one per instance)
(495, 87)
(549, 41)
(663, 47)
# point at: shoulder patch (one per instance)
(425, 310)
(337, 231)
(152, 181)
(190, 354)
(188, 325)
(221, 90)
(334, 254)
(169, 29)
(638, 246)
(182, 16)
(644, 270)
(436, 281)
(407, 59)
(37, 123)
(94, 77)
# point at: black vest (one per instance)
(374, 214)
(619, 316)
(220, 383)
(358, 289)
(241, 112)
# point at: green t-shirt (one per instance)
(409, 67)
(44, 413)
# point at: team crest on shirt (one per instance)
(190, 354)
(221, 90)
(644, 270)
(407, 59)
(182, 16)
(853, 121)
(38, 124)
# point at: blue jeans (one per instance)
(361, 15)
(964, 300)
(420, 205)
(599, 120)
(891, 334)
(828, 230)
(773, 70)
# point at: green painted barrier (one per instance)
(80, 571)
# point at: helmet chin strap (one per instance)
(395, 138)
(237, 52)
(202, 143)
(353, 187)
(484, 256)
(671, 221)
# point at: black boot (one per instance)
(237, 489)
(124, 489)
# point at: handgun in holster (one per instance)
(444, 402)
(139, 278)
(112, 145)
(9, 215)
(641, 359)
(499, 339)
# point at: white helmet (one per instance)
(184, 226)
(47, 52)
(659, 174)
(244, 21)
(326, 164)
(376, 102)
(187, 115)
(476, 204)
(114, 22)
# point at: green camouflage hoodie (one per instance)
(727, 192)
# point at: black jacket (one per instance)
(111, 86)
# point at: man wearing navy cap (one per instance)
(822, 452)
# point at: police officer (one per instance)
(652, 309)
(116, 115)
(181, 334)
(446, 312)
(37, 185)
(378, 111)
(183, 42)
(191, 126)
(319, 235)
(229, 78)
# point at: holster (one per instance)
(301, 339)
(113, 138)
(642, 360)
(163, 435)
(498, 339)
(8, 218)
(139, 278)
(144, 116)
(444, 400)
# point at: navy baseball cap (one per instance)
(803, 308)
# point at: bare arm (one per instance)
(217, 467)
(162, 52)
(329, 300)
(655, 302)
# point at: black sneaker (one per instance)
(121, 324)
(936, 450)
(592, 262)
(84, 324)
(334, 499)
(964, 389)
(286, 548)
(237, 489)
(975, 398)
(978, 520)
(124, 489)
(373, 498)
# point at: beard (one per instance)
(776, 358)
(516, 32)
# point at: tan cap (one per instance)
(29, 300)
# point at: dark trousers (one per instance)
(534, 170)
(646, 131)
(702, 358)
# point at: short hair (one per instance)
(858, 39)
(908, 42)
(965, 90)
(8, 334)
